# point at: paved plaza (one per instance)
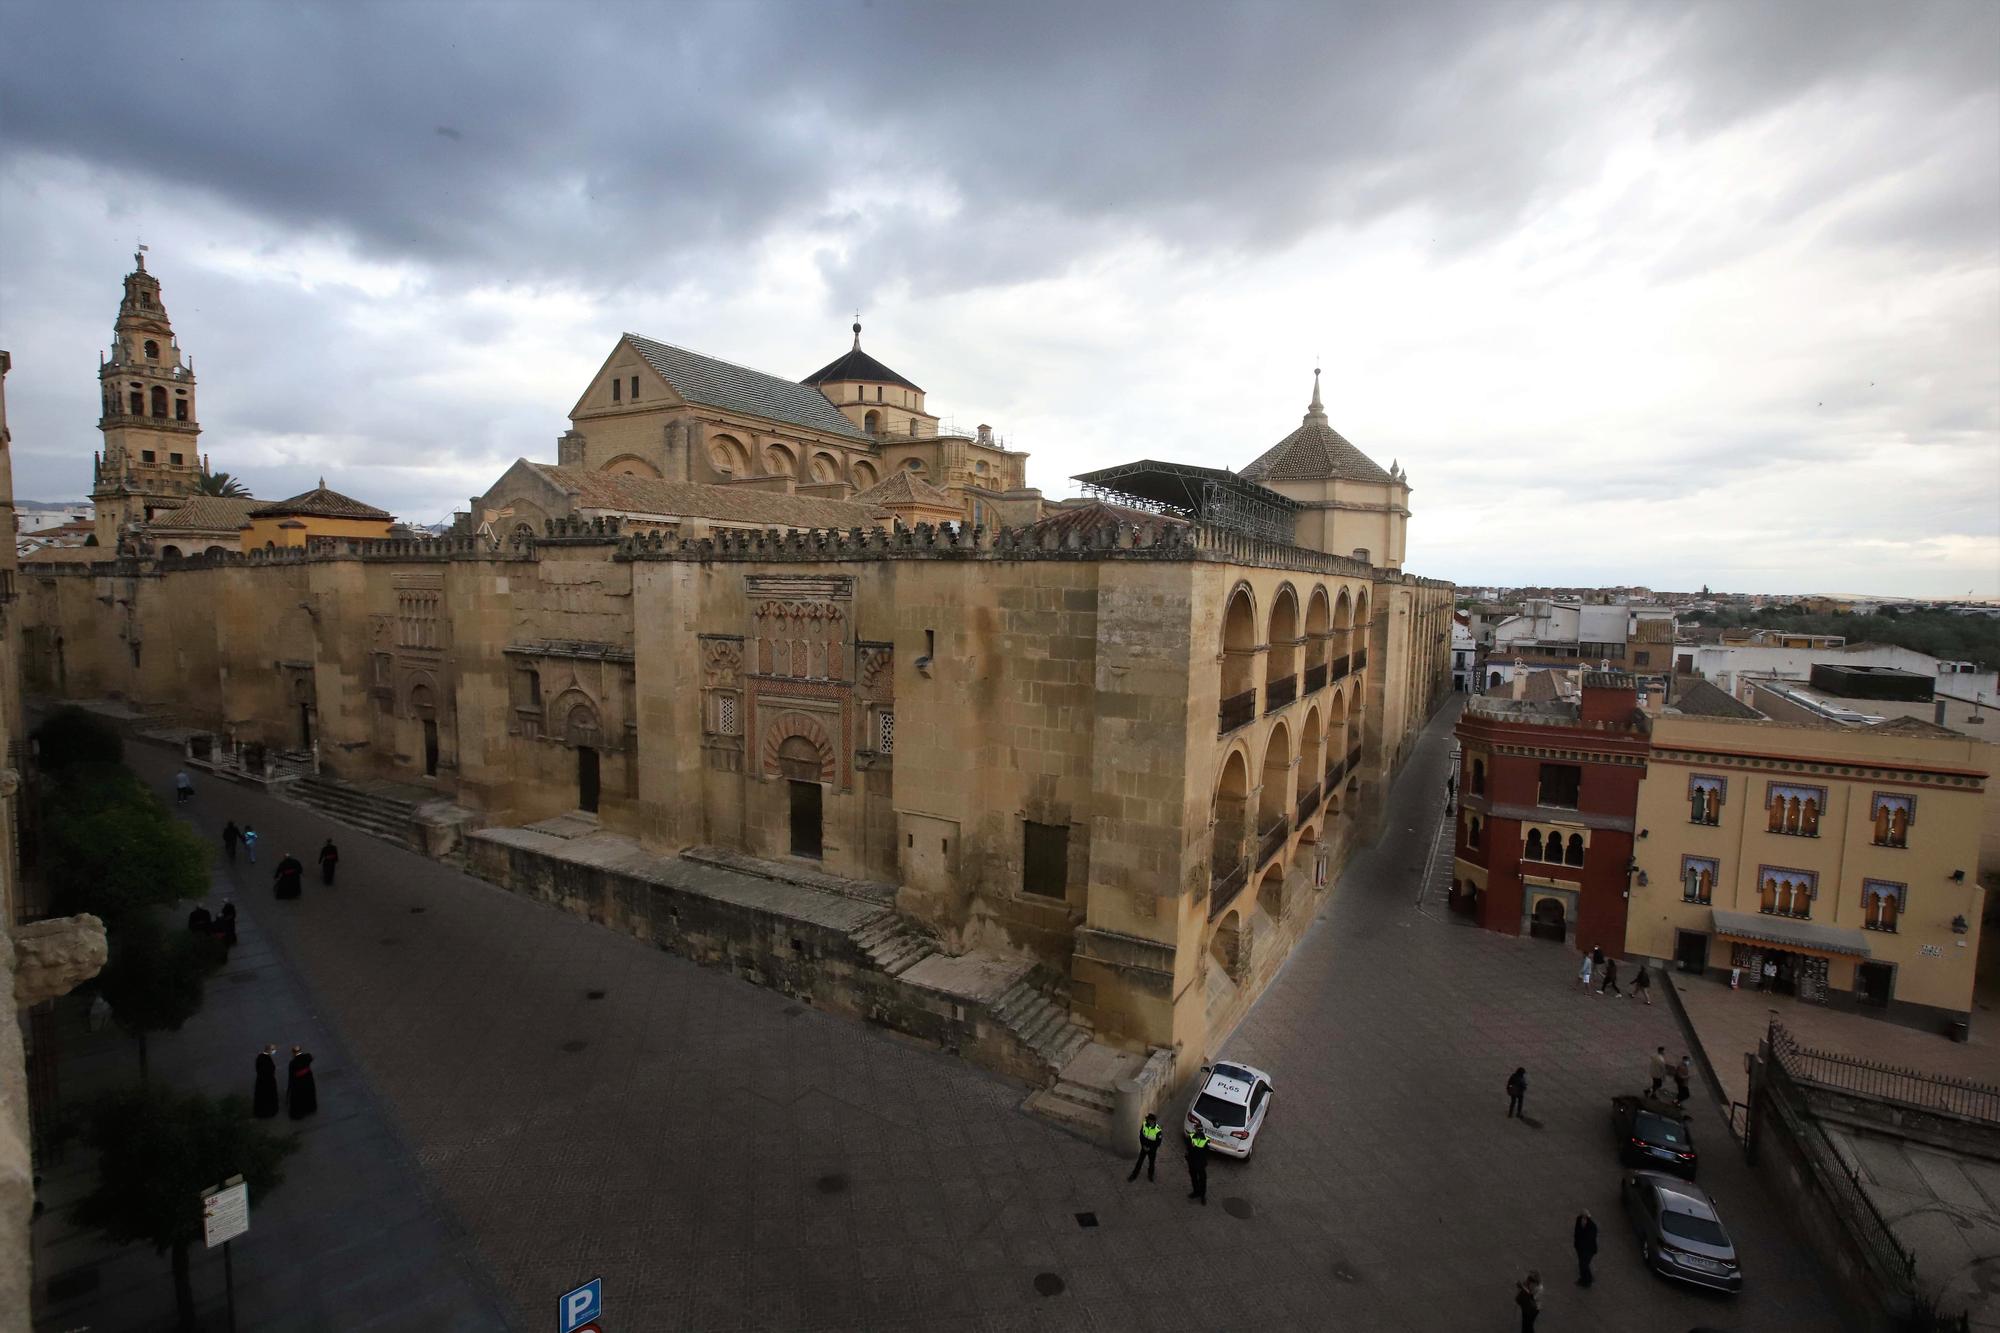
(572, 1103)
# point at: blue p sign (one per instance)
(579, 1307)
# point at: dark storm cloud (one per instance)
(593, 144)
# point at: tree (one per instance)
(153, 977)
(157, 1150)
(221, 483)
(71, 735)
(109, 845)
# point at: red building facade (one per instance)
(1547, 793)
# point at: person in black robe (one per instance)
(329, 857)
(225, 925)
(200, 922)
(287, 881)
(231, 835)
(303, 1098)
(264, 1101)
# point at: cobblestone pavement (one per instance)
(589, 1106)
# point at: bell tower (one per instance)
(149, 460)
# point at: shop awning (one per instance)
(1807, 937)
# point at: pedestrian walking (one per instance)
(1658, 1068)
(264, 1101)
(287, 881)
(231, 835)
(1451, 786)
(1517, 1092)
(1528, 1297)
(1683, 1080)
(1770, 981)
(199, 921)
(1197, 1164)
(183, 787)
(1585, 1240)
(225, 925)
(302, 1098)
(1149, 1148)
(1583, 973)
(1642, 985)
(1611, 978)
(329, 857)
(250, 842)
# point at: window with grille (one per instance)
(885, 732)
(1045, 859)
(725, 714)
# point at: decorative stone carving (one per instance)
(54, 957)
(784, 727)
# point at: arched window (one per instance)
(1472, 832)
(872, 423)
(152, 350)
(1534, 852)
(1573, 855)
(159, 401)
(180, 407)
(138, 403)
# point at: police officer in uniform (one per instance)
(1149, 1147)
(1197, 1155)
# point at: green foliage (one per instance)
(109, 845)
(153, 977)
(1921, 629)
(72, 736)
(157, 1150)
(221, 483)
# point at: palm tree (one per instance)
(221, 483)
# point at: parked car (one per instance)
(1231, 1106)
(1681, 1235)
(1653, 1134)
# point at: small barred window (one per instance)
(886, 743)
(725, 723)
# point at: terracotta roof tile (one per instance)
(904, 487)
(319, 502)
(206, 513)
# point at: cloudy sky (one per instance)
(1667, 294)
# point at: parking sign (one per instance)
(579, 1307)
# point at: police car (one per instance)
(1230, 1107)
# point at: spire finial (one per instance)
(857, 330)
(1316, 411)
(322, 481)
(139, 255)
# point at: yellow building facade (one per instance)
(1846, 858)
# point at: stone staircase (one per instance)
(382, 814)
(1041, 1022)
(893, 945)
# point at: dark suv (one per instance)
(1653, 1134)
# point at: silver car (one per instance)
(1681, 1236)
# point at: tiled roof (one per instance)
(1089, 518)
(319, 502)
(206, 513)
(1915, 726)
(615, 492)
(712, 383)
(1540, 687)
(856, 365)
(1314, 452)
(904, 487)
(1694, 697)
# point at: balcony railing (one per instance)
(1272, 842)
(1354, 759)
(1224, 887)
(1315, 678)
(1236, 710)
(1307, 805)
(1280, 692)
(1360, 659)
(1340, 667)
(1335, 771)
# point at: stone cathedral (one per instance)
(1054, 784)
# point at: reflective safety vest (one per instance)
(1198, 1139)
(1150, 1133)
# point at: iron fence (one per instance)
(1273, 840)
(1847, 1073)
(1236, 710)
(1307, 804)
(1280, 692)
(1340, 666)
(1315, 677)
(1223, 888)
